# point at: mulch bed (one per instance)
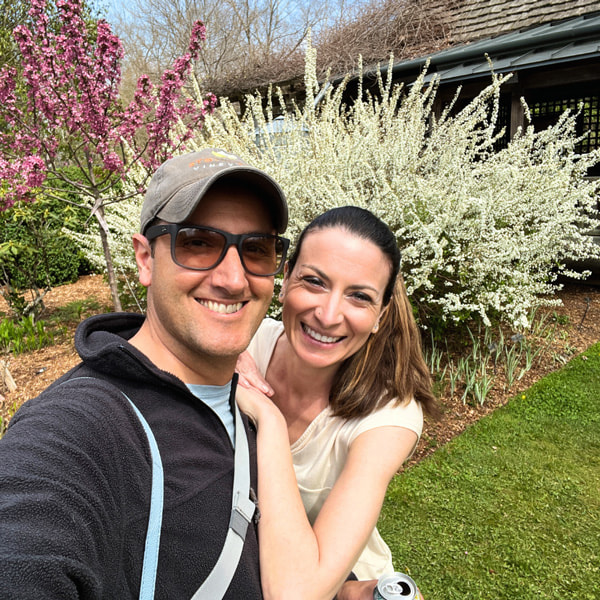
(577, 324)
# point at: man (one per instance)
(75, 464)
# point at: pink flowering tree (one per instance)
(62, 114)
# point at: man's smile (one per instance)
(221, 307)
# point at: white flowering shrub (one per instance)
(483, 234)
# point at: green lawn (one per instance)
(510, 509)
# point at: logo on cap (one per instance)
(222, 159)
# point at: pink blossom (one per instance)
(34, 171)
(72, 107)
(112, 162)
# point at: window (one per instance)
(546, 111)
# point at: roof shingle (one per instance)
(477, 19)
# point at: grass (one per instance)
(511, 508)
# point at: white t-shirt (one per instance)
(320, 454)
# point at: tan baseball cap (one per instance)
(180, 183)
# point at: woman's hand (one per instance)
(250, 376)
(357, 590)
(258, 407)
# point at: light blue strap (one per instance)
(150, 564)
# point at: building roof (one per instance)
(551, 43)
(472, 20)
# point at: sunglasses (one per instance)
(203, 248)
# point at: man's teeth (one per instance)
(321, 338)
(223, 308)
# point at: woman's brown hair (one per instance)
(390, 365)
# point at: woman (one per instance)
(347, 383)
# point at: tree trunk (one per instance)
(6, 377)
(110, 271)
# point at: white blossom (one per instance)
(483, 233)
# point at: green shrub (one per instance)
(74, 312)
(33, 251)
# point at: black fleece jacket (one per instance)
(75, 480)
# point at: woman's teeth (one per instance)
(320, 338)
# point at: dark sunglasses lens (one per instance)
(198, 248)
(262, 255)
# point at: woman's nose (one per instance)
(329, 313)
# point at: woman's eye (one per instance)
(362, 297)
(312, 280)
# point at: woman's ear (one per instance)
(381, 316)
(286, 274)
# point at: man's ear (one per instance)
(143, 258)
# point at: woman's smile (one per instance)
(326, 339)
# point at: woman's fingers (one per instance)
(250, 376)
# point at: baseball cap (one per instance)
(180, 183)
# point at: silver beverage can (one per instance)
(396, 586)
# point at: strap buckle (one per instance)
(241, 514)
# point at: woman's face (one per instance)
(332, 300)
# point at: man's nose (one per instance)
(230, 273)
